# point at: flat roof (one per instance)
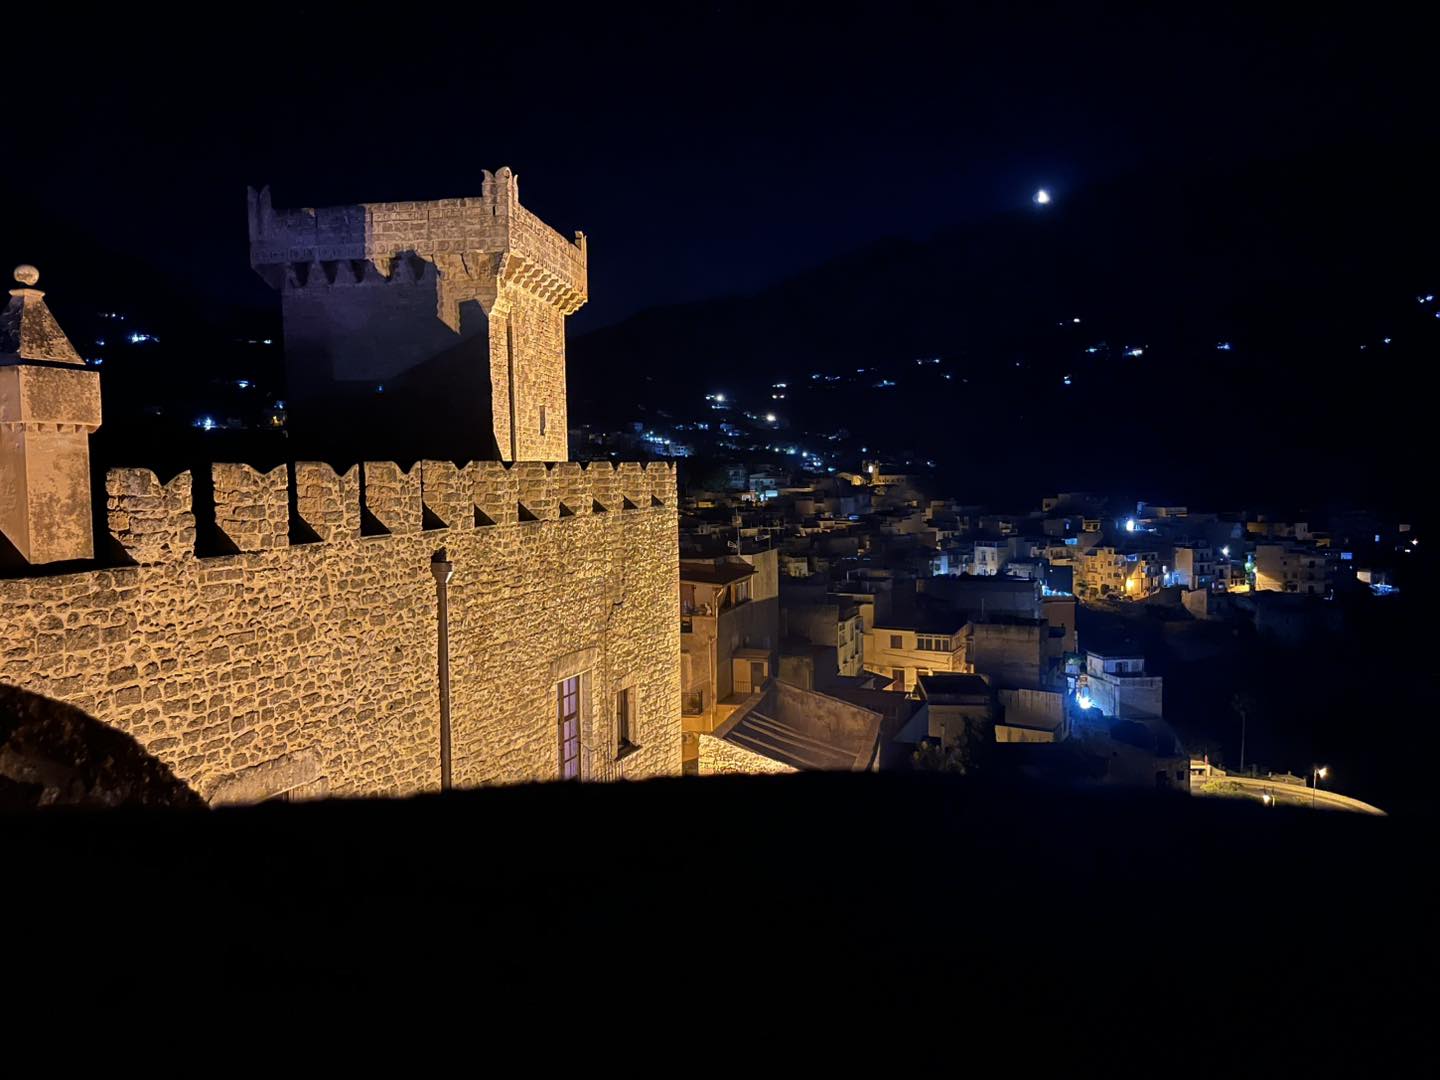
(944, 685)
(709, 574)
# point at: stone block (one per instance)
(392, 496)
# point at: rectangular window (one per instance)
(542, 419)
(895, 641)
(569, 724)
(624, 721)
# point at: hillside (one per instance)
(1302, 267)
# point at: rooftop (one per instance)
(704, 573)
(946, 688)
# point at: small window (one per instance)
(569, 724)
(896, 641)
(624, 721)
(542, 419)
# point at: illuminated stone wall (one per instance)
(537, 330)
(718, 758)
(312, 666)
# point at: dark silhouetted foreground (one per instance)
(873, 911)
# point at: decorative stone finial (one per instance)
(26, 274)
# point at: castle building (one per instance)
(357, 628)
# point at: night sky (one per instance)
(705, 152)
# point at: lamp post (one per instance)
(1320, 771)
(443, 570)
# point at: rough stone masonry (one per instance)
(306, 660)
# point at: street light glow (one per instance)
(1042, 197)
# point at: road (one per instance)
(1286, 794)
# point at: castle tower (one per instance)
(424, 329)
(49, 405)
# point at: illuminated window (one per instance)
(569, 724)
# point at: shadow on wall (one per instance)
(53, 754)
(373, 371)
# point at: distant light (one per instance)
(100, 341)
(1067, 380)
(268, 341)
(1137, 351)
(1224, 346)
(1377, 538)
(1084, 700)
(206, 423)
(137, 338)
(1387, 341)
(779, 385)
(1225, 551)
(719, 397)
(1042, 197)
(1414, 543)
(98, 361)
(244, 384)
(1075, 321)
(1093, 349)
(1130, 525)
(279, 404)
(380, 389)
(770, 418)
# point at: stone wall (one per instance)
(317, 662)
(537, 339)
(718, 758)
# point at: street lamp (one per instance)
(1320, 773)
(1266, 798)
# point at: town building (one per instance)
(727, 640)
(908, 647)
(1290, 568)
(1117, 686)
(1194, 566)
(956, 708)
(833, 629)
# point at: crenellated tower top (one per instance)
(476, 229)
(455, 305)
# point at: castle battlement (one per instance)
(380, 629)
(489, 236)
(154, 522)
